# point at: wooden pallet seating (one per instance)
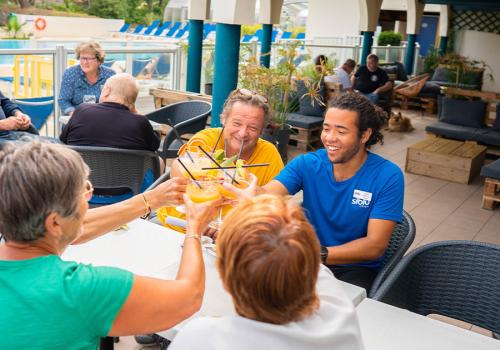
(305, 139)
(428, 104)
(491, 191)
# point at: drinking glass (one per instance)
(242, 183)
(207, 191)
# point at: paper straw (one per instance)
(179, 138)
(218, 139)
(189, 173)
(237, 158)
(217, 164)
(234, 167)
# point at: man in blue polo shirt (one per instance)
(353, 197)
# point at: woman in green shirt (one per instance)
(48, 303)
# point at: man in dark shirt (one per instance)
(13, 122)
(114, 121)
(371, 80)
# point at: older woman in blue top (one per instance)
(83, 82)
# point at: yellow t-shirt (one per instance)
(265, 152)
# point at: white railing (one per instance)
(59, 64)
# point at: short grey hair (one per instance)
(37, 179)
(123, 87)
(253, 100)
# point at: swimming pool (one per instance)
(51, 44)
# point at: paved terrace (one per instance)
(442, 210)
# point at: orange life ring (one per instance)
(40, 23)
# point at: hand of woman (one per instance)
(248, 192)
(168, 193)
(199, 215)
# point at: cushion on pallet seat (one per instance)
(453, 131)
(463, 112)
(304, 121)
(496, 124)
(488, 136)
(491, 170)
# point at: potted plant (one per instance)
(208, 66)
(276, 83)
(462, 72)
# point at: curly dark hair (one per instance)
(369, 116)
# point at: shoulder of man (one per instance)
(384, 166)
(85, 108)
(382, 72)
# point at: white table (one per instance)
(385, 327)
(64, 119)
(152, 250)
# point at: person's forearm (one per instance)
(386, 87)
(3, 125)
(360, 250)
(99, 221)
(65, 106)
(174, 169)
(192, 267)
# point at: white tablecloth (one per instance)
(152, 250)
(385, 327)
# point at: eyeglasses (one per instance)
(88, 59)
(89, 190)
(249, 94)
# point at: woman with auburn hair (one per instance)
(268, 258)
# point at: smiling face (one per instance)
(243, 123)
(340, 135)
(89, 62)
(372, 64)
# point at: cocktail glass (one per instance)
(208, 190)
(242, 183)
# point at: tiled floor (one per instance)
(442, 210)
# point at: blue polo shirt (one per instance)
(340, 210)
(74, 86)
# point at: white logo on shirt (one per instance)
(361, 198)
(374, 78)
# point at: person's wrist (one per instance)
(324, 254)
(147, 207)
(154, 203)
(193, 227)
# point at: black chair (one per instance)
(188, 117)
(458, 279)
(402, 237)
(118, 169)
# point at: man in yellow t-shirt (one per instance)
(244, 117)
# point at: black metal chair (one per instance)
(458, 279)
(402, 237)
(113, 168)
(188, 117)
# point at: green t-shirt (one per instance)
(48, 303)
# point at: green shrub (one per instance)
(108, 8)
(389, 38)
